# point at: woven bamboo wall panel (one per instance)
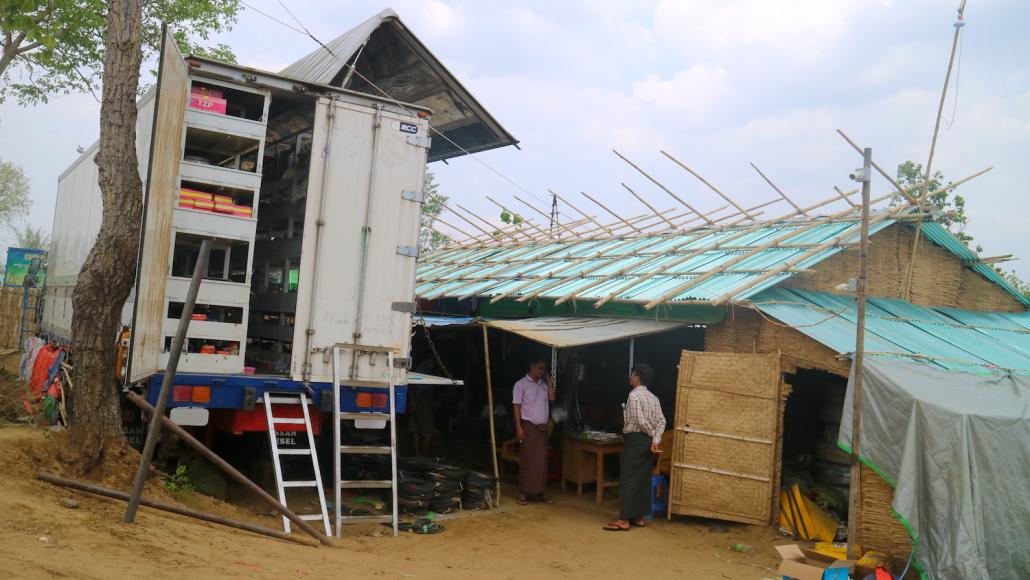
(746, 331)
(726, 470)
(743, 457)
(878, 529)
(724, 371)
(12, 301)
(938, 277)
(722, 412)
(719, 496)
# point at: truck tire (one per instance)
(830, 453)
(831, 473)
(830, 433)
(831, 413)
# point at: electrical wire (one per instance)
(304, 30)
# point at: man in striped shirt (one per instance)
(643, 425)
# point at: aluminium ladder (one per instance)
(281, 484)
(340, 450)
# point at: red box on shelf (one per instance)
(206, 103)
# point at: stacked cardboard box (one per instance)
(208, 99)
(193, 199)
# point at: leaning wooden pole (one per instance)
(229, 469)
(171, 508)
(490, 403)
(855, 491)
(178, 342)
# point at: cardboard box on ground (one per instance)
(802, 564)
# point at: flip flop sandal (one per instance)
(426, 526)
(522, 500)
(615, 528)
(638, 523)
(546, 500)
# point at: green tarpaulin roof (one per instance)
(944, 337)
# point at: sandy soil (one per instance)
(41, 539)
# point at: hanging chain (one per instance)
(432, 345)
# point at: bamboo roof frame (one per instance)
(607, 233)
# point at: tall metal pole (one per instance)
(166, 382)
(854, 495)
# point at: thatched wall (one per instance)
(11, 302)
(938, 276)
(745, 330)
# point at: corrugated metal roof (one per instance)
(639, 269)
(944, 337)
(391, 59)
(728, 264)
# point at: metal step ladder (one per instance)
(340, 450)
(301, 422)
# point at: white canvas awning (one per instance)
(416, 379)
(566, 331)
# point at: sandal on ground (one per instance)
(615, 527)
(522, 500)
(638, 522)
(543, 498)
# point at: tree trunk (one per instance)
(109, 272)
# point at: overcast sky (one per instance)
(717, 84)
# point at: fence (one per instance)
(17, 315)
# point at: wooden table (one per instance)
(583, 462)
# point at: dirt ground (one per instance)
(39, 538)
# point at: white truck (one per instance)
(311, 194)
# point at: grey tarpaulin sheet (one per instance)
(957, 448)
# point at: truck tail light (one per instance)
(364, 400)
(201, 395)
(182, 394)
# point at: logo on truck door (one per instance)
(408, 128)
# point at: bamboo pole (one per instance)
(581, 212)
(944, 92)
(605, 208)
(904, 191)
(844, 196)
(893, 214)
(557, 222)
(172, 508)
(705, 181)
(498, 229)
(779, 191)
(855, 489)
(229, 470)
(525, 220)
(469, 237)
(659, 184)
(154, 429)
(649, 206)
(490, 402)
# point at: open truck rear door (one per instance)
(363, 206)
(725, 446)
(159, 201)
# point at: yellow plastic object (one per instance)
(872, 560)
(838, 550)
(807, 520)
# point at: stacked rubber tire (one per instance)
(478, 491)
(832, 464)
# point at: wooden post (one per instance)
(855, 491)
(166, 382)
(490, 403)
(175, 509)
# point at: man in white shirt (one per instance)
(643, 426)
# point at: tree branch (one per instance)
(28, 47)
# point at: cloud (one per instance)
(692, 92)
